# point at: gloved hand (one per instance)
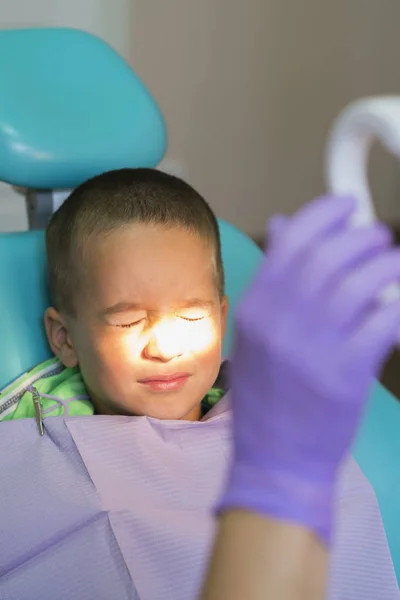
(310, 338)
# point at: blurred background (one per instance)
(248, 89)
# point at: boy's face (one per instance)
(149, 323)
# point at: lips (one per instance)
(170, 377)
(165, 383)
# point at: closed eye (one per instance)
(192, 320)
(129, 325)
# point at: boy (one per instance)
(136, 323)
(137, 287)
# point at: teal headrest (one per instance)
(71, 108)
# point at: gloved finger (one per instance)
(348, 249)
(310, 223)
(378, 335)
(362, 287)
(275, 226)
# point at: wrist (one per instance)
(281, 495)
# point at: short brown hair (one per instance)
(115, 199)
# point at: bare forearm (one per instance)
(263, 559)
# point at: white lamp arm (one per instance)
(349, 144)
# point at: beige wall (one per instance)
(249, 90)
(110, 19)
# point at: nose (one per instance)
(164, 343)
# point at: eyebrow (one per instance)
(122, 307)
(196, 303)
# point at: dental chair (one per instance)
(23, 298)
(40, 159)
(70, 108)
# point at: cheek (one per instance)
(207, 349)
(197, 338)
(102, 356)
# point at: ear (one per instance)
(59, 337)
(224, 314)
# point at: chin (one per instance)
(192, 413)
(164, 407)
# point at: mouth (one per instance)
(165, 383)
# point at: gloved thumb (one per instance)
(275, 227)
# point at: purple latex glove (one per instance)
(310, 339)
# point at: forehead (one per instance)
(149, 264)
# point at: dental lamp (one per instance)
(347, 154)
(349, 144)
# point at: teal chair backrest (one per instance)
(71, 108)
(23, 298)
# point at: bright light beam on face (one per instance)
(176, 335)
